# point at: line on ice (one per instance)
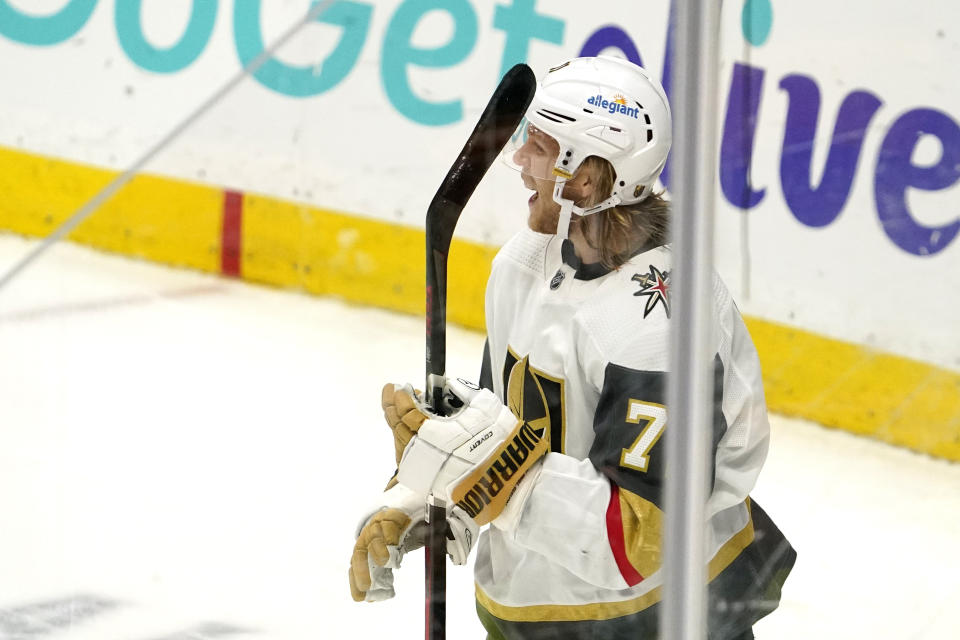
(26, 315)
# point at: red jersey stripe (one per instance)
(615, 536)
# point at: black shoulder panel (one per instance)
(615, 435)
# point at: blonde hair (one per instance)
(616, 233)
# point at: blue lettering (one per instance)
(174, 58)
(666, 79)
(44, 30)
(521, 22)
(819, 206)
(896, 173)
(303, 81)
(611, 36)
(739, 131)
(398, 54)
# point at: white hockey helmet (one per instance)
(606, 107)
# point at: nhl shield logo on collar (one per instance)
(557, 280)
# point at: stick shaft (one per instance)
(435, 569)
(498, 121)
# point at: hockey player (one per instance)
(562, 451)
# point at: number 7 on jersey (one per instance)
(638, 455)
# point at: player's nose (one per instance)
(521, 157)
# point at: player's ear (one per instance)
(581, 186)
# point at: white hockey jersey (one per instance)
(580, 353)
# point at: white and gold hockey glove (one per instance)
(402, 413)
(393, 528)
(475, 457)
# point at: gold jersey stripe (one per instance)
(732, 548)
(642, 532)
(568, 612)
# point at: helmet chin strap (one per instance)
(568, 208)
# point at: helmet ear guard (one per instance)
(568, 162)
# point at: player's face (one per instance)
(536, 159)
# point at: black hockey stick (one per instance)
(497, 123)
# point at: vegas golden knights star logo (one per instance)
(536, 399)
(656, 286)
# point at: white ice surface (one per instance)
(196, 451)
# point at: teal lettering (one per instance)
(756, 20)
(171, 59)
(303, 81)
(44, 30)
(398, 54)
(521, 22)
